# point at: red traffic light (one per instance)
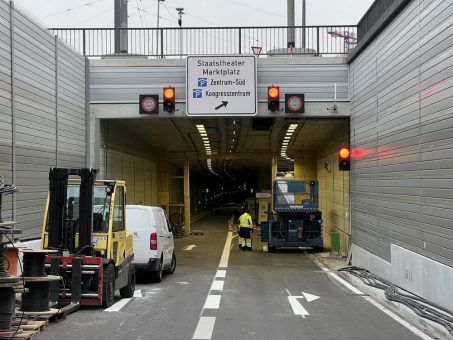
(169, 95)
(273, 98)
(273, 92)
(344, 152)
(344, 155)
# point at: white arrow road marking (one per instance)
(191, 247)
(298, 309)
(370, 300)
(310, 297)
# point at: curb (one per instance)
(432, 329)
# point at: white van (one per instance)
(154, 250)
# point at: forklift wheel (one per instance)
(108, 286)
(128, 291)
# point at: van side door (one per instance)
(161, 235)
(164, 237)
(169, 243)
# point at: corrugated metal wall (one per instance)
(43, 123)
(125, 156)
(121, 81)
(402, 133)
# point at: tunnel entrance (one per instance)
(211, 163)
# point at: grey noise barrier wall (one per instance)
(42, 113)
(402, 133)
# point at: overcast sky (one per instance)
(143, 13)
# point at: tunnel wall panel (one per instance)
(334, 187)
(42, 114)
(124, 157)
(402, 135)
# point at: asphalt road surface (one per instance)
(221, 292)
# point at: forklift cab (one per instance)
(108, 222)
(84, 223)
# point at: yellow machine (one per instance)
(85, 224)
(264, 205)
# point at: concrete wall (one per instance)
(305, 165)
(125, 156)
(402, 133)
(42, 114)
(334, 187)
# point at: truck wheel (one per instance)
(157, 275)
(128, 291)
(108, 286)
(172, 268)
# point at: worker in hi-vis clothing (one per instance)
(245, 226)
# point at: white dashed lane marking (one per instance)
(205, 328)
(206, 325)
(212, 302)
(217, 285)
(221, 273)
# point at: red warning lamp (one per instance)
(344, 155)
(273, 98)
(169, 95)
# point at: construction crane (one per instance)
(350, 39)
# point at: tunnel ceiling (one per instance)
(235, 144)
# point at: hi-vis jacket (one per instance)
(245, 221)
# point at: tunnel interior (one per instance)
(227, 160)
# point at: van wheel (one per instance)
(128, 291)
(108, 286)
(157, 275)
(172, 268)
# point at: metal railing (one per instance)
(173, 42)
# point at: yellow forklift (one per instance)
(85, 227)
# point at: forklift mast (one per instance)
(61, 230)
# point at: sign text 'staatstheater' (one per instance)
(221, 85)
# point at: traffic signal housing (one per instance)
(344, 157)
(273, 98)
(169, 96)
